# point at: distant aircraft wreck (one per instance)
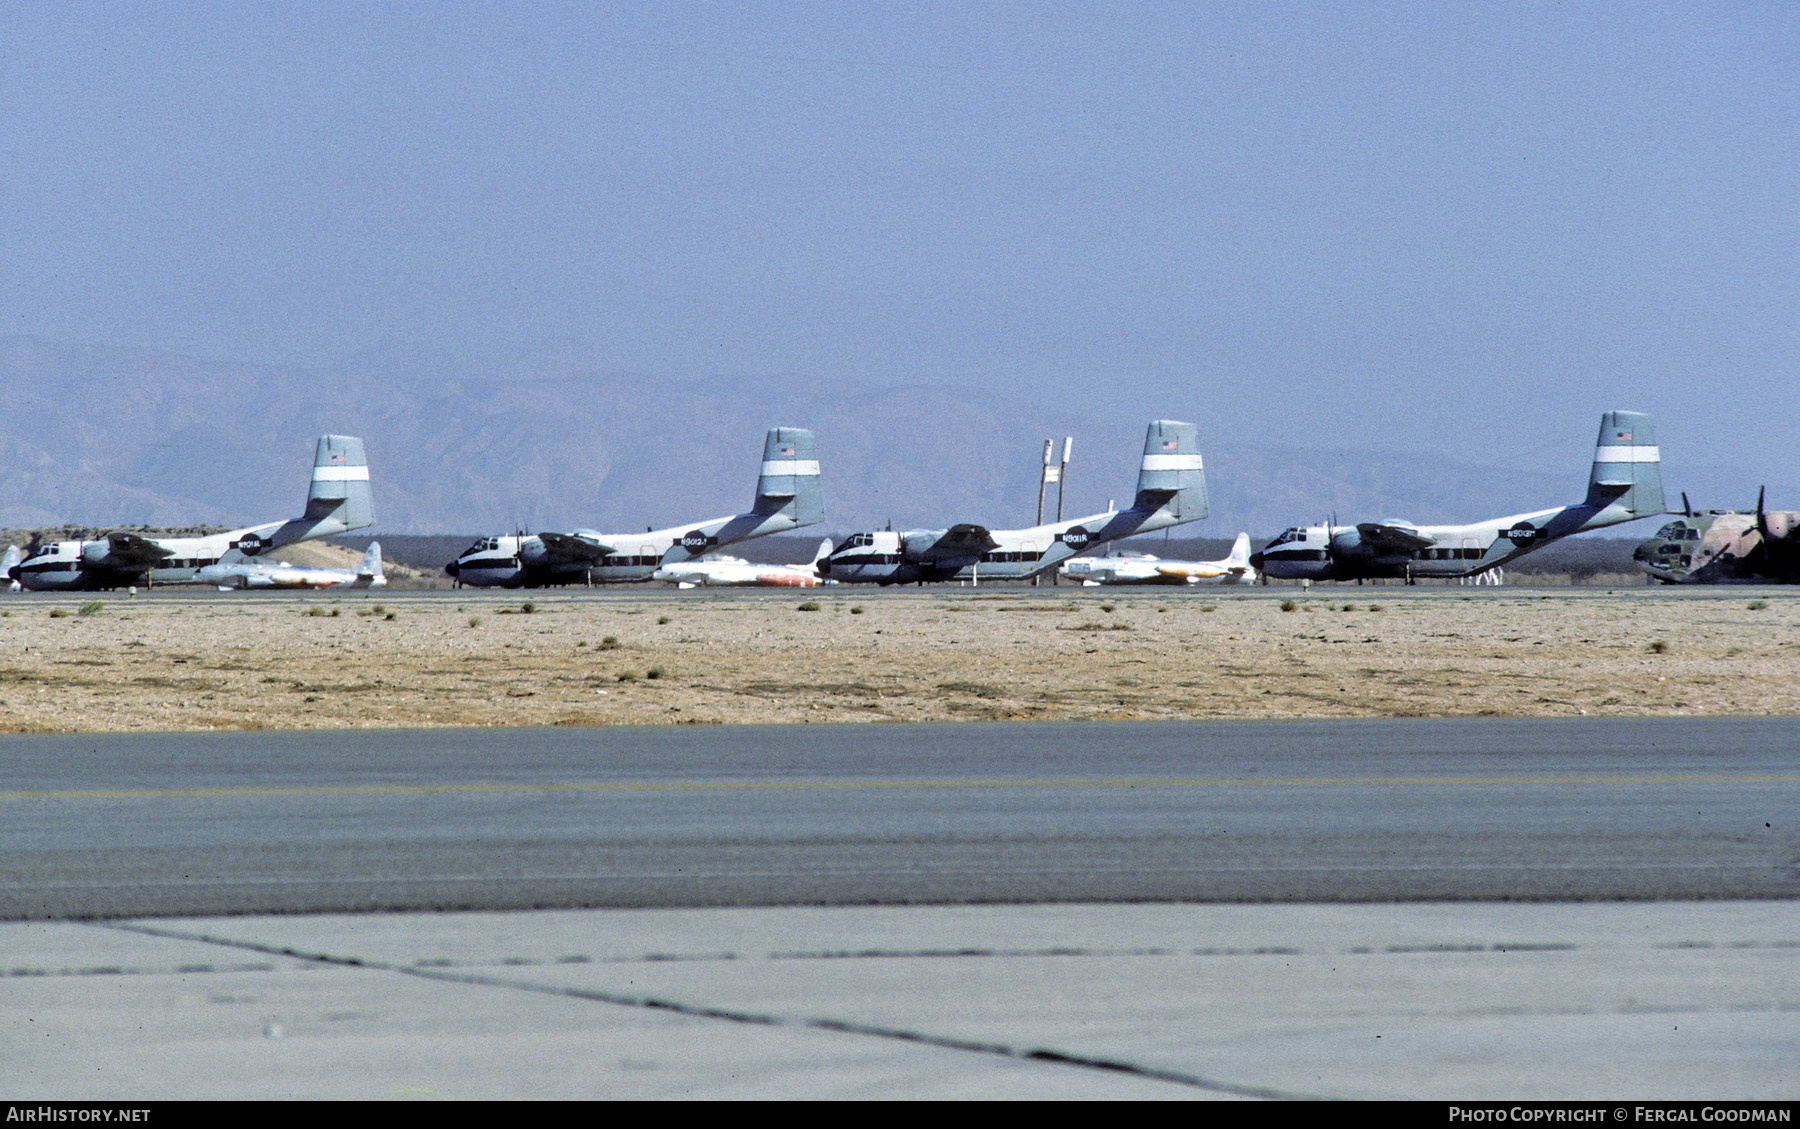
(1725, 547)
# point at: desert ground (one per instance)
(642, 655)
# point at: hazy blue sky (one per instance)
(1449, 226)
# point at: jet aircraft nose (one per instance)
(452, 568)
(1256, 560)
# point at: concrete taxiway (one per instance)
(1446, 1001)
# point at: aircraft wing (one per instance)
(956, 543)
(1392, 537)
(132, 549)
(575, 548)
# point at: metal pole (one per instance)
(1044, 478)
(1062, 472)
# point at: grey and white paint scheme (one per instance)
(731, 572)
(229, 575)
(788, 497)
(8, 562)
(1171, 490)
(1625, 485)
(1143, 568)
(337, 502)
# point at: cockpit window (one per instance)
(1671, 532)
(1288, 536)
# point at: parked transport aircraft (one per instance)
(787, 497)
(1625, 484)
(280, 574)
(1725, 547)
(1142, 568)
(1171, 490)
(338, 502)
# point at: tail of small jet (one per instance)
(1240, 552)
(1172, 478)
(1626, 482)
(8, 564)
(789, 483)
(370, 569)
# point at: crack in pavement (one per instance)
(730, 1015)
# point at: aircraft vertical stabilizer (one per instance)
(1627, 477)
(1172, 477)
(789, 483)
(338, 500)
(341, 479)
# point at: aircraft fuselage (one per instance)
(787, 497)
(1325, 552)
(87, 566)
(889, 557)
(526, 561)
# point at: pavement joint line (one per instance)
(568, 959)
(828, 785)
(730, 1015)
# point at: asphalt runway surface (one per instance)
(1323, 811)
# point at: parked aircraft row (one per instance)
(1624, 484)
(1171, 490)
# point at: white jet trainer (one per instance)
(731, 572)
(1142, 568)
(230, 575)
